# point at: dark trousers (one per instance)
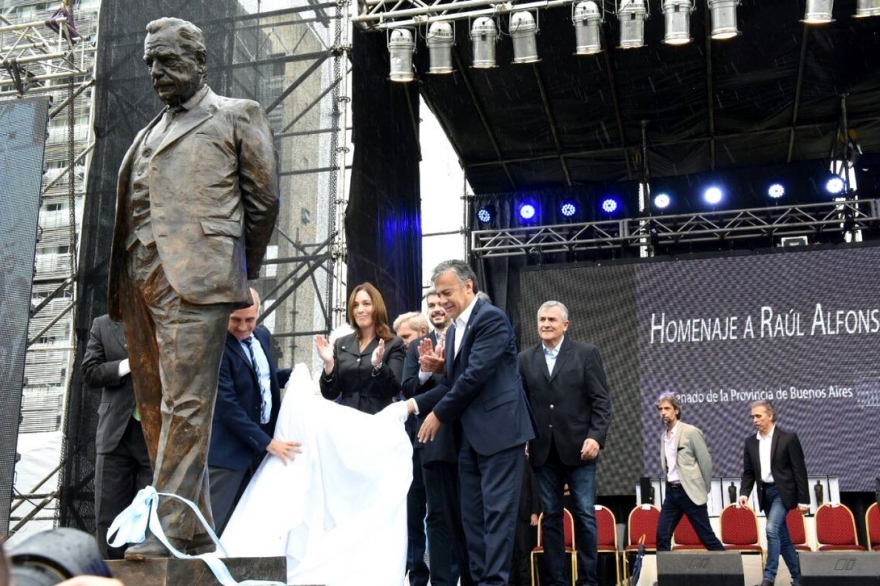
(118, 476)
(442, 486)
(490, 488)
(175, 348)
(416, 508)
(524, 542)
(675, 505)
(227, 486)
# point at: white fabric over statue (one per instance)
(338, 512)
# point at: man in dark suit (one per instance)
(565, 382)
(122, 464)
(196, 206)
(481, 388)
(248, 400)
(439, 462)
(775, 460)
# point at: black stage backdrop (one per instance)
(383, 224)
(22, 142)
(124, 103)
(800, 328)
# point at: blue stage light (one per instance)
(834, 185)
(527, 211)
(713, 195)
(776, 190)
(609, 205)
(662, 201)
(568, 209)
(484, 215)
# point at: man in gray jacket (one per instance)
(688, 468)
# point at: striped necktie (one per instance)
(264, 414)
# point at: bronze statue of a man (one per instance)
(197, 202)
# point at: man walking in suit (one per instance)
(122, 463)
(687, 464)
(248, 400)
(481, 388)
(565, 382)
(439, 465)
(196, 206)
(775, 460)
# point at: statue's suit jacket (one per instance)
(693, 461)
(213, 202)
(100, 368)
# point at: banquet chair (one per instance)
(739, 530)
(642, 522)
(797, 530)
(685, 537)
(836, 528)
(568, 540)
(872, 527)
(606, 529)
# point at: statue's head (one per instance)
(174, 50)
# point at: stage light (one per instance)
(713, 195)
(527, 211)
(866, 8)
(818, 12)
(776, 190)
(523, 30)
(483, 36)
(568, 209)
(401, 47)
(609, 205)
(484, 215)
(662, 201)
(834, 185)
(723, 19)
(440, 40)
(678, 21)
(632, 15)
(586, 19)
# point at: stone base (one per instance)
(194, 572)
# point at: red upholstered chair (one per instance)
(739, 530)
(872, 527)
(836, 528)
(567, 538)
(685, 536)
(606, 526)
(797, 530)
(642, 523)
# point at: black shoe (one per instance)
(765, 583)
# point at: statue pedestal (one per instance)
(194, 572)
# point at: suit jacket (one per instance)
(786, 464)
(213, 202)
(237, 437)
(481, 386)
(570, 405)
(352, 382)
(693, 460)
(100, 369)
(442, 449)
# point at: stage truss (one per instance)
(850, 216)
(388, 14)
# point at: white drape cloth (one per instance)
(338, 512)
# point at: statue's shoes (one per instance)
(152, 548)
(201, 543)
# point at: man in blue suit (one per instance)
(481, 389)
(245, 414)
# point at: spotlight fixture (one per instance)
(818, 12)
(483, 36)
(678, 21)
(523, 29)
(484, 215)
(776, 190)
(401, 47)
(440, 40)
(834, 185)
(632, 15)
(586, 18)
(568, 209)
(723, 19)
(527, 211)
(609, 205)
(662, 201)
(866, 8)
(713, 195)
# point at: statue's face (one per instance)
(176, 74)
